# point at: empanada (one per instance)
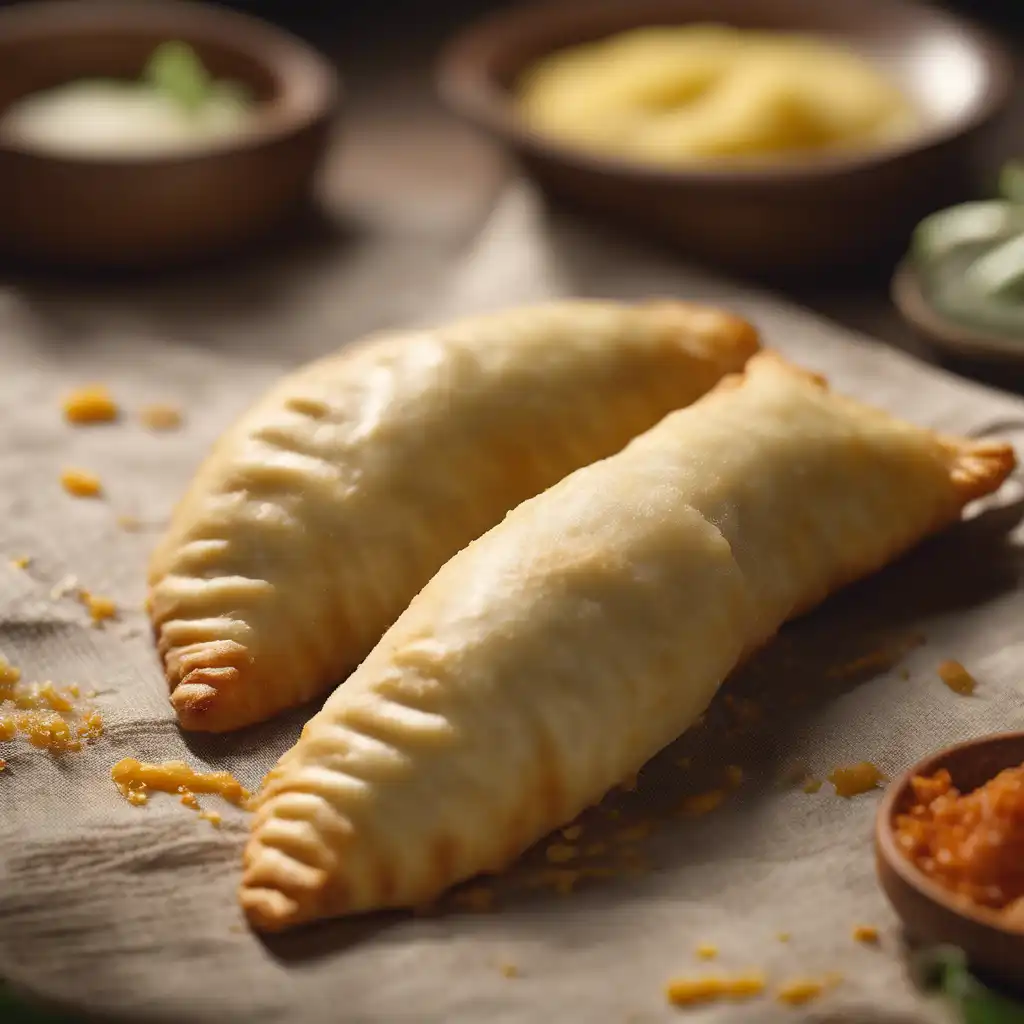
(556, 654)
(320, 515)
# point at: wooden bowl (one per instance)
(930, 912)
(947, 335)
(806, 216)
(154, 210)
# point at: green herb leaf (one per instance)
(945, 968)
(176, 70)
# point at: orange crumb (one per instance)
(811, 785)
(188, 798)
(509, 970)
(796, 993)
(707, 951)
(100, 608)
(3, 764)
(560, 853)
(957, 678)
(22, 562)
(90, 728)
(702, 803)
(690, 991)
(168, 777)
(43, 715)
(161, 416)
(783, 936)
(91, 404)
(865, 933)
(478, 899)
(572, 832)
(80, 483)
(212, 817)
(852, 780)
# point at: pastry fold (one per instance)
(556, 654)
(332, 502)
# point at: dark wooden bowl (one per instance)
(804, 217)
(141, 212)
(930, 912)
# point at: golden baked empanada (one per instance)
(319, 515)
(556, 654)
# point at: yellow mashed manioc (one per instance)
(679, 95)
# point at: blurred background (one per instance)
(403, 165)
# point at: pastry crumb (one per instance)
(855, 779)
(22, 562)
(707, 951)
(134, 779)
(866, 933)
(804, 990)
(692, 991)
(188, 798)
(100, 608)
(90, 404)
(46, 717)
(161, 416)
(3, 764)
(212, 817)
(811, 785)
(80, 483)
(957, 678)
(509, 970)
(783, 937)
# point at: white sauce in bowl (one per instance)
(118, 119)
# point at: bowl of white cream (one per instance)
(138, 133)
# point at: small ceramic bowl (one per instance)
(930, 912)
(948, 336)
(141, 212)
(801, 217)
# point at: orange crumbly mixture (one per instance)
(21, 562)
(866, 933)
(80, 483)
(135, 780)
(161, 416)
(100, 608)
(973, 843)
(48, 717)
(852, 780)
(707, 951)
(957, 678)
(91, 404)
(691, 991)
